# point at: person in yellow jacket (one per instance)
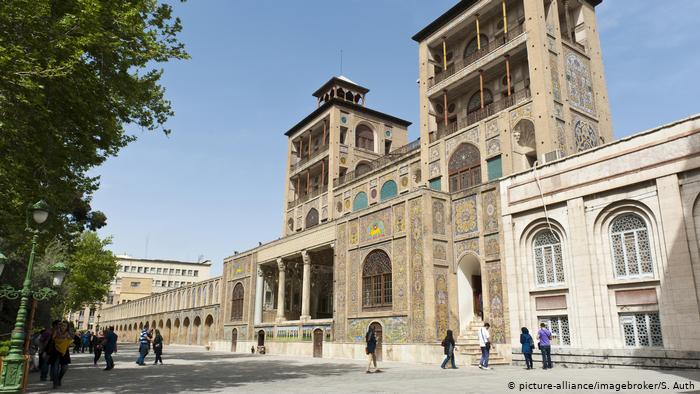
(59, 356)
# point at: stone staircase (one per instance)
(469, 350)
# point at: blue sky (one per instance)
(215, 185)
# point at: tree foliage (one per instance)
(73, 74)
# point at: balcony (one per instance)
(323, 149)
(460, 64)
(378, 163)
(465, 120)
(314, 193)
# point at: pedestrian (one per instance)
(449, 345)
(109, 346)
(46, 345)
(543, 337)
(144, 346)
(84, 341)
(97, 346)
(527, 346)
(34, 346)
(76, 342)
(158, 347)
(371, 340)
(91, 341)
(59, 357)
(485, 345)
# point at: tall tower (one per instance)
(339, 140)
(508, 83)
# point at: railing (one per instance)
(460, 64)
(573, 43)
(378, 163)
(295, 166)
(314, 193)
(465, 120)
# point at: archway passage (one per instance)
(234, 339)
(261, 338)
(208, 321)
(168, 331)
(318, 343)
(196, 340)
(470, 291)
(378, 332)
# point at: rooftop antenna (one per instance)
(341, 62)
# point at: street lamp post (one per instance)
(13, 364)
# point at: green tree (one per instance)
(73, 74)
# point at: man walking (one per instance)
(144, 346)
(109, 347)
(544, 336)
(485, 345)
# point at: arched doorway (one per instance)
(261, 338)
(470, 290)
(234, 339)
(186, 329)
(318, 343)
(378, 332)
(207, 328)
(177, 330)
(195, 331)
(168, 331)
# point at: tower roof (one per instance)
(342, 81)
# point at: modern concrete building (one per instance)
(451, 231)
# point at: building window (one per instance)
(170, 283)
(364, 137)
(436, 184)
(196, 273)
(139, 270)
(135, 284)
(631, 247)
(388, 190)
(189, 272)
(177, 272)
(126, 268)
(237, 302)
(376, 280)
(559, 326)
(475, 43)
(157, 283)
(464, 167)
(312, 218)
(494, 167)
(133, 268)
(641, 329)
(360, 201)
(549, 265)
(474, 103)
(177, 283)
(362, 168)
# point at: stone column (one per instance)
(280, 290)
(306, 288)
(258, 296)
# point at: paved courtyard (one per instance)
(191, 369)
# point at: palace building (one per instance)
(514, 207)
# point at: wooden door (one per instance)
(234, 339)
(318, 343)
(477, 296)
(378, 332)
(261, 338)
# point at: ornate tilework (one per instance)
(493, 146)
(438, 217)
(559, 111)
(435, 153)
(376, 225)
(585, 133)
(471, 135)
(403, 170)
(324, 213)
(404, 182)
(354, 266)
(580, 86)
(439, 250)
(561, 136)
(417, 287)
(373, 183)
(340, 290)
(354, 232)
(489, 205)
(554, 68)
(551, 44)
(373, 193)
(339, 207)
(399, 270)
(399, 218)
(471, 245)
(495, 303)
(492, 128)
(434, 169)
(524, 111)
(464, 214)
(491, 247)
(441, 305)
(394, 329)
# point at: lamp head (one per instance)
(59, 271)
(2, 262)
(40, 212)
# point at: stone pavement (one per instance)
(191, 370)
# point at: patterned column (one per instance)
(280, 290)
(258, 296)
(306, 288)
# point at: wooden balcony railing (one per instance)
(466, 119)
(459, 64)
(306, 197)
(378, 163)
(320, 151)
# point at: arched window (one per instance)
(475, 100)
(376, 280)
(388, 190)
(362, 168)
(312, 218)
(631, 247)
(360, 201)
(364, 137)
(237, 302)
(549, 264)
(349, 96)
(473, 45)
(464, 167)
